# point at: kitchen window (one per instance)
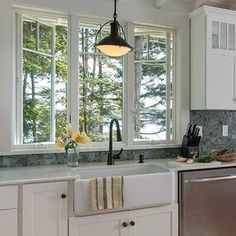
(61, 78)
(41, 94)
(100, 85)
(154, 85)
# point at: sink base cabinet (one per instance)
(154, 222)
(158, 221)
(45, 209)
(99, 225)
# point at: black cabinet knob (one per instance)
(132, 223)
(124, 224)
(63, 196)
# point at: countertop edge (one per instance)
(27, 175)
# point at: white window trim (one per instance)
(19, 102)
(73, 98)
(174, 90)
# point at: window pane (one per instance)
(153, 79)
(141, 47)
(43, 106)
(45, 38)
(100, 87)
(36, 98)
(29, 34)
(61, 79)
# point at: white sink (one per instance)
(127, 170)
(145, 185)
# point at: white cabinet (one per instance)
(44, 209)
(99, 225)
(8, 222)
(8, 210)
(159, 221)
(213, 59)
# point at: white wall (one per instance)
(137, 11)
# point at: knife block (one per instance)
(190, 151)
(189, 146)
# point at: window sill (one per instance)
(45, 149)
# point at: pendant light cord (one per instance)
(115, 15)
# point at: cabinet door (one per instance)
(220, 63)
(45, 209)
(8, 222)
(99, 225)
(220, 85)
(161, 221)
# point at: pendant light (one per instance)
(113, 45)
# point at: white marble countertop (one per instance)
(9, 176)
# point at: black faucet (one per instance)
(111, 155)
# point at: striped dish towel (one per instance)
(106, 192)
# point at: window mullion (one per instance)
(73, 65)
(38, 52)
(129, 80)
(53, 81)
(19, 89)
(168, 86)
(37, 36)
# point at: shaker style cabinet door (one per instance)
(45, 209)
(112, 224)
(157, 221)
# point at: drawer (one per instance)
(8, 222)
(8, 197)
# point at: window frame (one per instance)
(128, 89)
(17, 140)
(144, 143)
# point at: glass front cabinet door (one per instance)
(222, 35)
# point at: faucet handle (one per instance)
(117, 155)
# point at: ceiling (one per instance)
(178, 5)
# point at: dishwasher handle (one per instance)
(210, 179)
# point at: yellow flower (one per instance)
(81, 137)
(69, 130)
(60, 143)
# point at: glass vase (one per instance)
(73, 158)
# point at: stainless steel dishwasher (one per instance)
(207, 201)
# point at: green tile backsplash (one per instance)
(212, 122)
(60, 158)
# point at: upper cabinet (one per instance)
(213, 59)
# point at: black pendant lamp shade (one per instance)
(113, 45)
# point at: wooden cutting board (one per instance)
(184, 164)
